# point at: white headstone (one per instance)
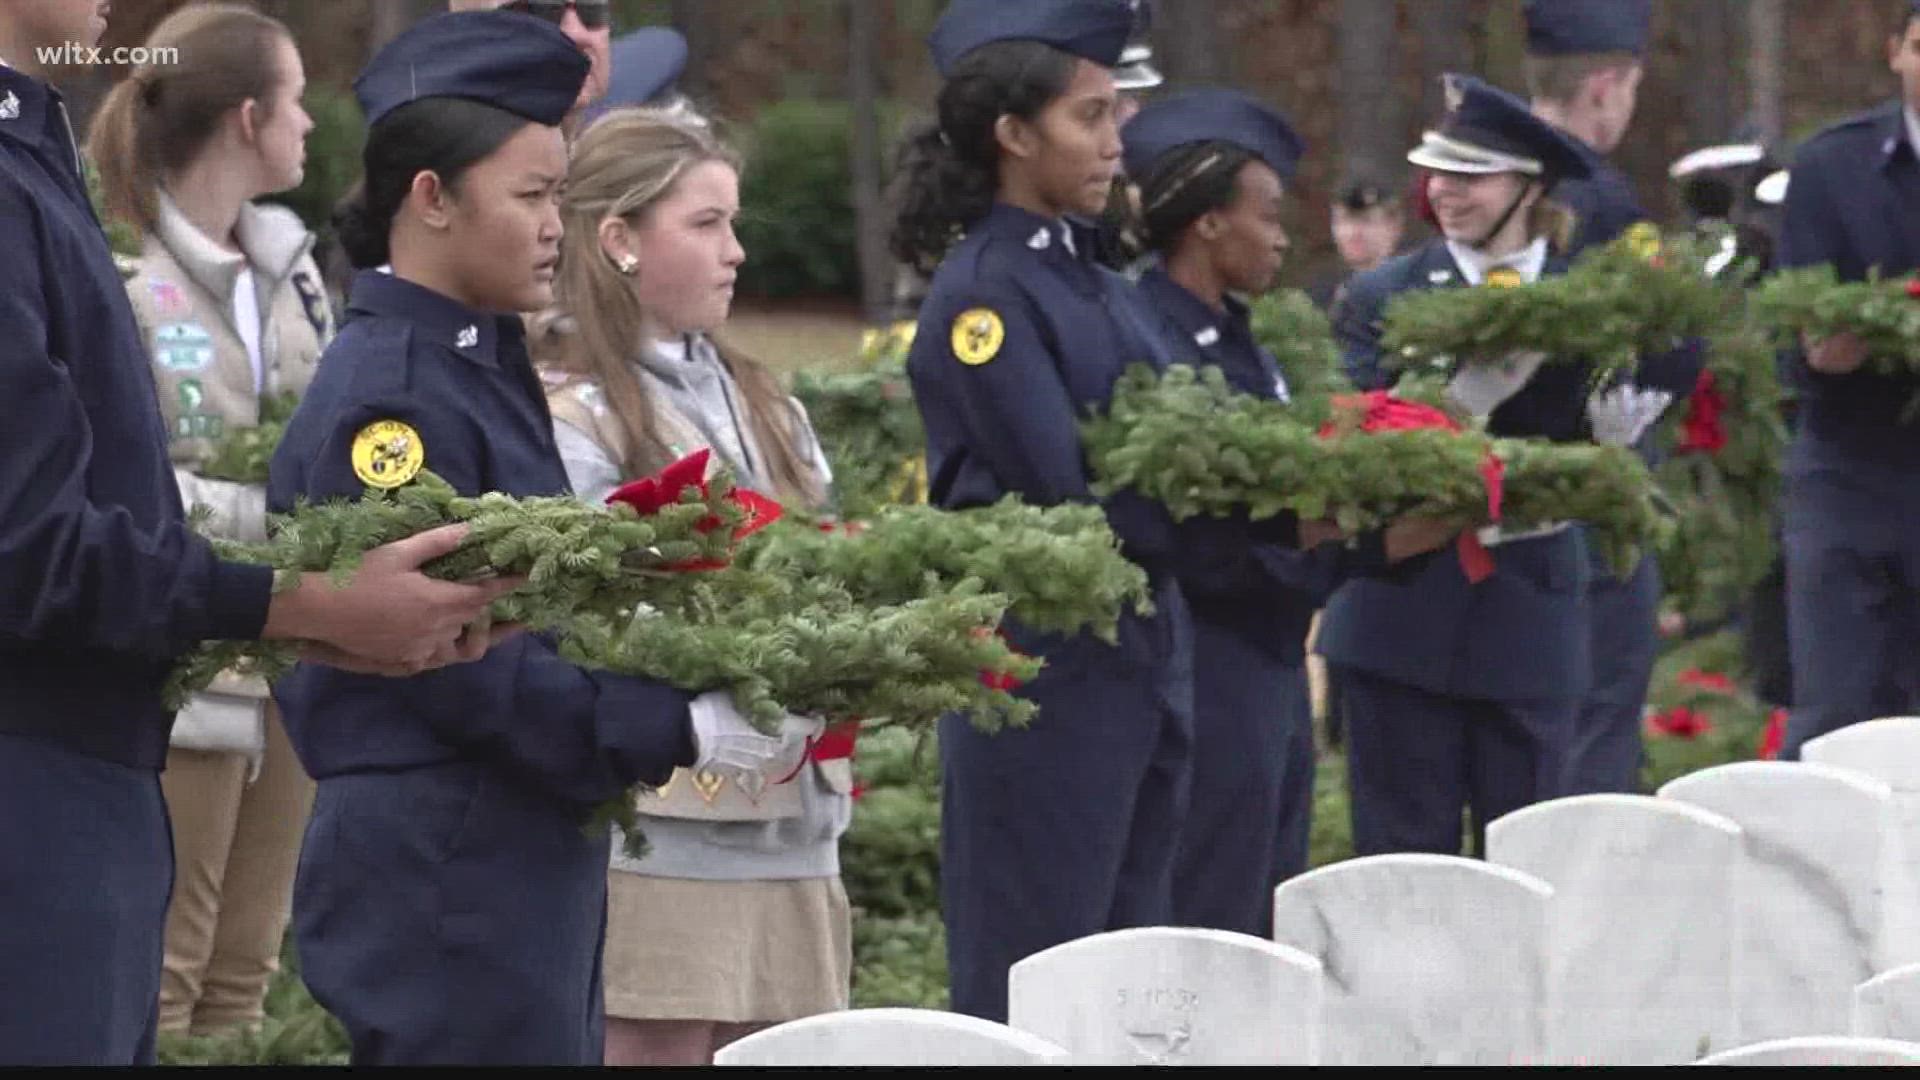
(1817, 842)
(1887, 1006)
(1821, 1050)
(1429, 959)
(890, 1038)
(1642, 924)
(1171, 996)
(1889, 751)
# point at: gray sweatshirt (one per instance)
(689, 382)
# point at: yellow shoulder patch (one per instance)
(977, 336)
(387, 453)
(1643, 239)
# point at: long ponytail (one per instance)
(948, 172)
(162, 115)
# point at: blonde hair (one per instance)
(1553, 220)
(1559, 78)
(161, 116)
(623, 164)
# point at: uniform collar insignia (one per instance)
(9, 107)
(469, 336)
(1209, 336)
(1039, 241)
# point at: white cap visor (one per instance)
(1443, 154)
(1717, 157)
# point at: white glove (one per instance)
(1621, 415)
(1480, 386)
(725, 742)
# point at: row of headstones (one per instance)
(925, 1037)
(1746, 906)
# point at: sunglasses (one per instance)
(594, 14)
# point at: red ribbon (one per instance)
(833, 744)
(649, 494)
(1701, 431)
(994, 680)
(1379, 410)
(1774, 738)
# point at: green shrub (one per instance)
(797, 202)
(333, 157)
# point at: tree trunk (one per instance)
(389, 19)
(1445, 28)
(1370, 138)
(1767, 71)
(1187, 45)
(863, 92)
(1708, 26)
(694, 20)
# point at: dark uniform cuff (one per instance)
(237, 600)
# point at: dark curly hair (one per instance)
(947, 172)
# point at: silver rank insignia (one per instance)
(9, 107)
(1209, 336)
(1039, 241)
(469, 337)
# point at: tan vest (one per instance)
(182, 296)
(702, 796)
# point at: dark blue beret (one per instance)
(1210, 115)
(1574, 27)
(511, 61)
(1095, 30)
(646, 63)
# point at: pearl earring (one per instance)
(627, 264)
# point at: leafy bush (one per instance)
(797, 221)
(333, 158)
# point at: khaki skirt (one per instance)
(728, 951)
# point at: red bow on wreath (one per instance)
(1379, 410)
(1701, 431)
(649, 494)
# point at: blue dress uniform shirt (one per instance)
(462, 380)
(1247, 827)
(102, 584)
(1854, 203)
(1068, 827)
(1421, 622)
(1853, 564)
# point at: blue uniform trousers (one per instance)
(1853, 600)
(1296, 790)
(1417, 760)
(1068, 827)
(448, 916)
(86, 865)
(1605, 755)
(1249, 708)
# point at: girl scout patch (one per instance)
(387, 453)
(977, 335)
(183, 346)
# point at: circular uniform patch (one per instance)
(1643, 239)
(977, 335)
(387, 453)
